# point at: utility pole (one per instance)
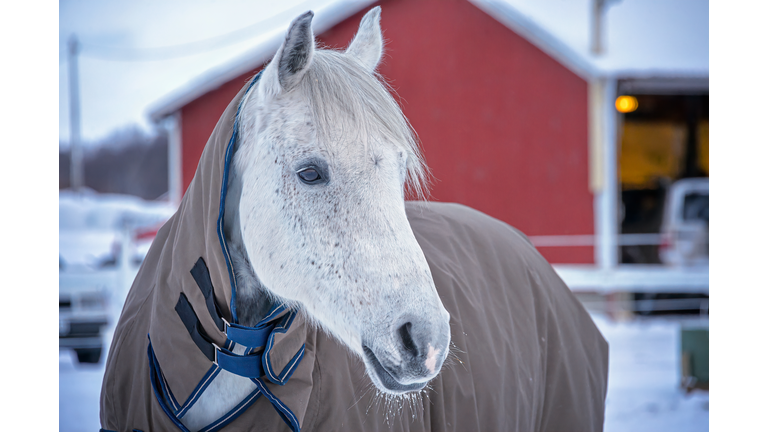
(173, 126)
(76, 179)
(596, 36)
(599, 8)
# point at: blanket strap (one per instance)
(249, 341)
(203, 278)
(189, 318)
(249, 337)
(253, 342)
(248, 365)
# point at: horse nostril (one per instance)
(405, 336)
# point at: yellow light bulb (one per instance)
(626, 104)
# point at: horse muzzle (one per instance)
(413, 356)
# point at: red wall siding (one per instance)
(198, 118)
(503, 126)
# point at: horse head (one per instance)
(322, 164)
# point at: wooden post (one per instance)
(76, 177)
(596, 35)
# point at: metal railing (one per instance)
(591, 240)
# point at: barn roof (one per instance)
(644, 39)
(325, 17)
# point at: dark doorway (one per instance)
(664, 140)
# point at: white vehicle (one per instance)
(685, 224)
(83, 313)
(91, 227)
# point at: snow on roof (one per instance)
(326, 16)
(666, 39)
(641, 38)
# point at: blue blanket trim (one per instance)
(288, 370)
(199, 390)
(285, 413)
(276, 309)
(107, 430)
(225, 179)
(155, 375)
(233, 413)
(154, 369)
(167, 391)
(254, 337)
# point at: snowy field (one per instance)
(644, 375)
(643, 390)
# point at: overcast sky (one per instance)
(131, 61)
(117, 93)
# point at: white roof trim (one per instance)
(535, 34)
(690, 85)
(567, 52)
(613, 65)
(325, 18)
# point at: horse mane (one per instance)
(347, 100)
(350, 108)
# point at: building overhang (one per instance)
(677, 49)
(325, 18)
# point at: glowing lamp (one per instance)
(626, 104)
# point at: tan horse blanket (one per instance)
(526, 355)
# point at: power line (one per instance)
(167, 52)
(185, 49)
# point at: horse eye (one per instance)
(309, 175)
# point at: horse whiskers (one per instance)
(454, 348)
(453, 357)
(369, 385)
(395, 405)
(426, 394)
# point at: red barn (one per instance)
(513, 120)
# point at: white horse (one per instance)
(314, 218)
(315, 214)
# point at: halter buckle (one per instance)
(216, 350)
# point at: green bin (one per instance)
(694, 346)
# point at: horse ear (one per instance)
(368, 45)
(295, 55)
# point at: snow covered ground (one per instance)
(643, 384)
(643, 387)
(644, 391)
(80, 384)
(79, 389)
